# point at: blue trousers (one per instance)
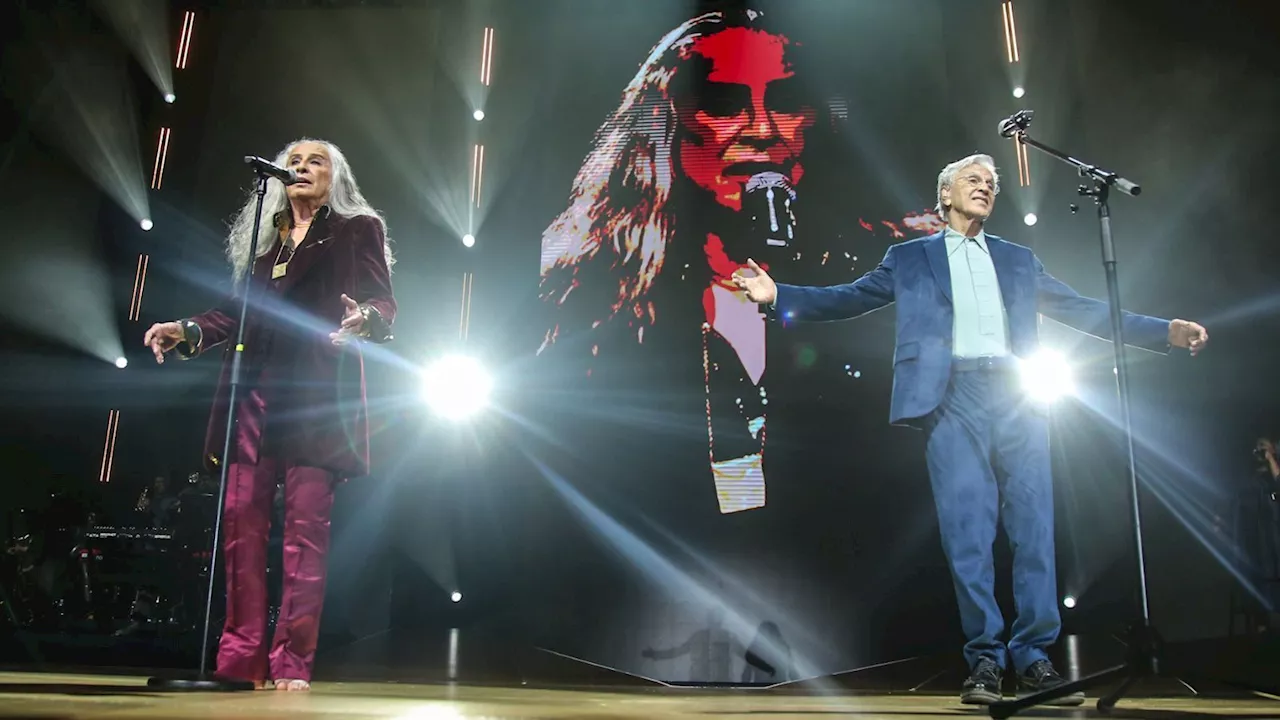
(988, 455)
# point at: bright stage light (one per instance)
(468, 240)
(1019, 92)
(456, 387)
(146, 224)
(1069, 602)
(478, 115)
(122, 362)
(169, 98)
(1030, 219)
(1046, 376)
(456, 596)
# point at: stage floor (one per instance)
(88, 697)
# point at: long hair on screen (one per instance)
(609, 246)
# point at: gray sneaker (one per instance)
(1041, 677)
(983, 685)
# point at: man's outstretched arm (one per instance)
(1093, 317)
(800, 303)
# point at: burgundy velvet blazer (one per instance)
(321, 407)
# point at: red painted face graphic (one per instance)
(746, 118)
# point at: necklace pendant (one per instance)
(278, 270)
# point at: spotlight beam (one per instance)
(80, 100)
(143, 26)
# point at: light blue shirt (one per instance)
(981, 326)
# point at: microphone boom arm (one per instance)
(1104, 177)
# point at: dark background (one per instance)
(599, 546)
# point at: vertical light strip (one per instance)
(139, 283)
(162, 152)
(1013, 32)
(480, 176)
(146, 263)
(109, 446)
(475, 162)
(1017, 149)
(1024, 166)
(1010, 31)
(155, 169)
(477, 168)
(164, 155)
(486, 56)
(111, 459)
(1026, 163)
(464, 323)
(1008, 43)
(184, 40)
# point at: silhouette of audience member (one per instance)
(768, 659)
(711, 651)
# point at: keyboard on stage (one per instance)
(107, 532)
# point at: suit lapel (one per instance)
(1002, 258)
(935, 248)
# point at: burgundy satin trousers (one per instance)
(243, 652)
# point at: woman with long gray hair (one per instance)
(320, 283)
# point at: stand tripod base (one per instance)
(200, 682)
(1145, 661)
(1145, 650)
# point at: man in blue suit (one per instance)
(967, 310)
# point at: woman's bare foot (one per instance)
(293, 685)
(265, 685)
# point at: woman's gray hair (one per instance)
(948, 176)
(345, 199)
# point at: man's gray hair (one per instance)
(948, 176)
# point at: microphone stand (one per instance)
(1145, 648)
(203, 680)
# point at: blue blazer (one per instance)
(916, 275)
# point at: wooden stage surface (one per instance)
(89, 697)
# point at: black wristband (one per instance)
(192, 336)
(375, 328)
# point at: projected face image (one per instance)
(747, 117)
(713, 112)
(694, 172)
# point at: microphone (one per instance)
(270, 169)
(768, 201)
(1015, 123)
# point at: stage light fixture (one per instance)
(122, 362)
(1030, 219)
(146, 224)
(456, 596)
(468, 240)
(1019, 92)
(456, 387)
(170, 97)
(1069, 601)
(478, 115)
(1046, 376)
